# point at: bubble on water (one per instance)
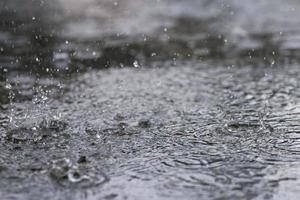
(71, 174)
(74, 176)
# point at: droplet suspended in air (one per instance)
(136, 64)
(8, 86)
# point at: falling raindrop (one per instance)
(8, 86)
(273, 62)
(136, 64)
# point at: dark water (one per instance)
(157, 99)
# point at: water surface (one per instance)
(149, 99)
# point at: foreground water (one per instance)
(149, 100)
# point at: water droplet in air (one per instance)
(273, 62)
(136, 64)
(8, 86)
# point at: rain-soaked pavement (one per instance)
(161, 99)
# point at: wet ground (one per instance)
(157, 99)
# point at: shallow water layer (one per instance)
(171, 133)
(157, 99)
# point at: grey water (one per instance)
(149, 99)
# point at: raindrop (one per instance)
(136, 64)
(8, 86)
(273, 62)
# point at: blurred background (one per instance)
(59, 37)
